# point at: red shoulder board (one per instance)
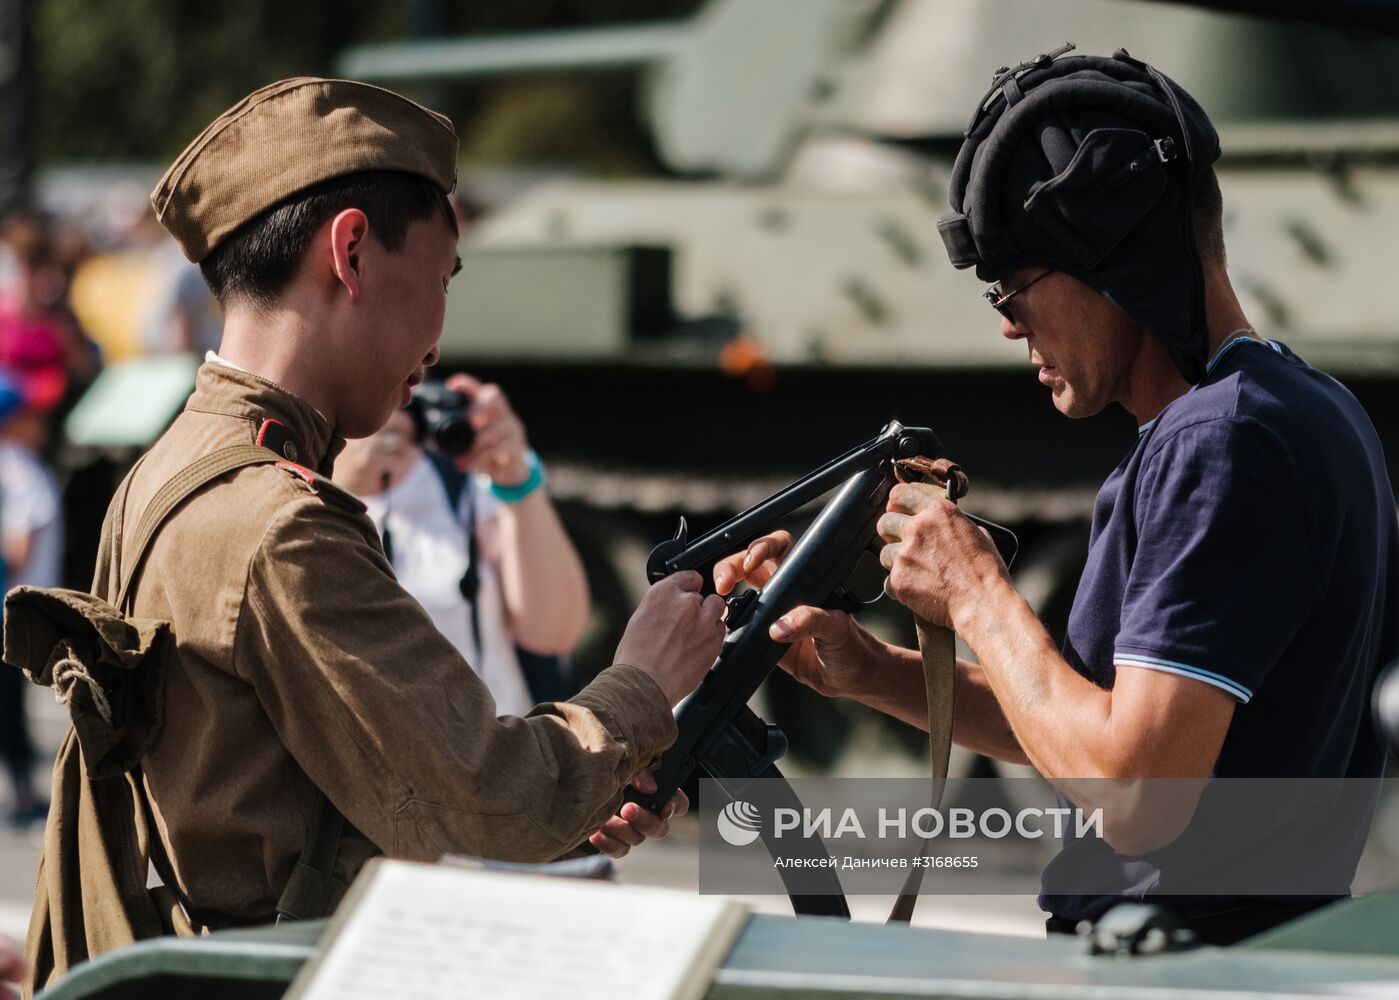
(325, 489)
(278, 437)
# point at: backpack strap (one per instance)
(180, 488)
(312, 891)
(461, 496)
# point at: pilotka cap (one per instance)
(286, 137)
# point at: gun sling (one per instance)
(939, 648)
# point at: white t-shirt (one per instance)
(30, 504)
(430, 558)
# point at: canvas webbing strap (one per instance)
(939, 648)
(180, 488)
(312, 891)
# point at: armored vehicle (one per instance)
(686, 344)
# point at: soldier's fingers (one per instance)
(645, 823)
(891, 527)
(762, 575)
(755, 564)
(713, 608)
(727, 572)
(685, 580)
(624, 830)
(770, 547)
(679, 804)
(645, 783)
(887, 555)
(605, 844)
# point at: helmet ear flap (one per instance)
(1114, 179)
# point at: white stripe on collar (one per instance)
(1235, 338)
(1243, 337)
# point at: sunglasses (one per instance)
(1000, 300)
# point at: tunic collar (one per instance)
(224, 388)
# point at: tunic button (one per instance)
(289, 450)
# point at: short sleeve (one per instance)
(1223, 571)
(487, 507)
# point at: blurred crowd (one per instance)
(45, 360)
(71, 300)
(95, 288)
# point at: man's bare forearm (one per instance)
(895, 687)
(978, 723)
(1061, 719)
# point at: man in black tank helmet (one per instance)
(1238, 599)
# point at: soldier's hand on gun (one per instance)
(633, 823)
(674, 635)
(830, 651)
(12, 966)
(937, 560)
(500, 447)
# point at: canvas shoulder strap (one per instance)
(939, 648)
(312, 891)
(180, 488)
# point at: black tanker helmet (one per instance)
(1089, 165)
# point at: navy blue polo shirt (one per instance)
(1249, 542)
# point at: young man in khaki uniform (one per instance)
(318, 212)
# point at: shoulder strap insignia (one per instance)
(276, 436)
(325, 489)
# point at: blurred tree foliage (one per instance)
(138, 79)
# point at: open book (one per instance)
(423, 932)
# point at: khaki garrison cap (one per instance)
(286, 137)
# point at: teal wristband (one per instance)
(535, 479)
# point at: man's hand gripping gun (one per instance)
(717, 730)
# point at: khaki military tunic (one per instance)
(301, 663)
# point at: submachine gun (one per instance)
(718, 732)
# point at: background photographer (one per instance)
(529, 587)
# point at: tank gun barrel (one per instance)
(552, 51)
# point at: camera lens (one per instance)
(442, 419)
(453, 435)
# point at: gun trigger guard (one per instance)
(842, 600)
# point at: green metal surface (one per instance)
(828, 959)
(1368, 925)
(228, 964)
(782, 956)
